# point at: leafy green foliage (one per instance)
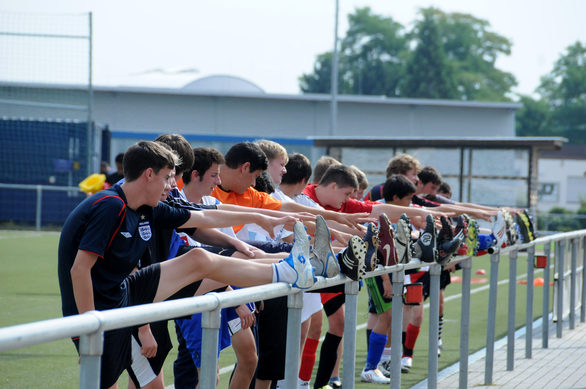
(450, 56)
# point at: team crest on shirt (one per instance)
(144, 230)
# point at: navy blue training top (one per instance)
(103, 225)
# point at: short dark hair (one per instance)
(298, 169)
(342, 175)
(398, 185)
(264, 183)
(203, 159)
(360, 176)
(430, 174)
(244, 152)
(445, 189)
(119, 158)
(322, 165)
(146, 154)
(182, 147)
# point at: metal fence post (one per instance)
(349, 361)
(465, 322)
(491, 320)
(545, 306)
(574, 244)
(560, 287)
(294, 305)
(512, 310)
(396, 328)
(39, 208)
(434, 289)
(91, 348)
(210, 324)
(583, 305)
(529, 313)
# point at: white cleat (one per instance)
(374, 377)
(406, 364)
(299, 258)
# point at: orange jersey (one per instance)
(251, 198)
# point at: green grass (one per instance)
(29, 292)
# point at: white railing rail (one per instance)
(90, 326)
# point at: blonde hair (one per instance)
(272, 150)
(360, 176)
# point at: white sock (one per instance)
(283, 272)
(386, 354)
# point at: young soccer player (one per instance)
(105, 236)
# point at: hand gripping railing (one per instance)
(90, 326)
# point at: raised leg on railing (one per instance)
(512, 310)
(295, 306)
(434, 289)
(396, 329)
(210, 324)
(560, 287)
(465, 322)
(574, 244)
(91, 348)
(545, 306)
(491, 320)
(349, 362)
(529, 313)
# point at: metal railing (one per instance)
(90, 326)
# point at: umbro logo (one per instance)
(126, 234)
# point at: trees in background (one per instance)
(452, 56)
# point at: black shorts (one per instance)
(445, 278)
(143, 370)
(272, 339)
(140, 288)
(333, 304)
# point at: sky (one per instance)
(273, 42)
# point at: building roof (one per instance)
(567, 151)
(309, 97)
(542, 143)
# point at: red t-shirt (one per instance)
(350, 206)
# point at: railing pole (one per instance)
(491, 320)
(398, 279)
(529, 313)
(350, 318)
(91, 348)
(583, 305)
(210, 324)
(545, 306)
(39, 207)
(434, 290)
(512, 310)
(294, 305)
(560, 288)
(465, 322)
(574, 243)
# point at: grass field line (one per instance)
(228, 369)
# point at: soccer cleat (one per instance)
(530, 223)
(403, 238)
(462, 224)
(426, 245)
(499, 230)
(446, 233)
(525, 227)
(447, 249)
(510, 228)
(387, 252)
(322, 255)
(352, 259)
(406, 364)
(302, 384)
(374, 377)
(472, 238)
(298, 259)
(335, 383)
(372, 243)
(385, 368)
